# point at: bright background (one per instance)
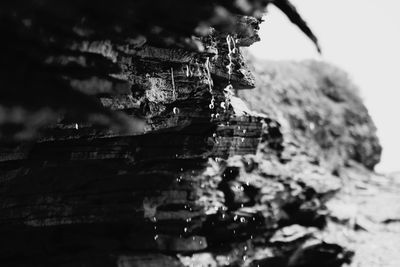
(360, 36)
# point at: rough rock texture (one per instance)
(195, 177)
(319, 108)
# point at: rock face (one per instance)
(319, 108)
(184, 174)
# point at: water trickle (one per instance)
(187, 71)
(210, 82)
(231, 50)
(173, 84)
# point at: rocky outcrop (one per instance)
(318, 108)
(151, 158)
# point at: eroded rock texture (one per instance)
(187, 174)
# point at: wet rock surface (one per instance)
(185, 173)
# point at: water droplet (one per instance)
(244, 131)
(235, 217)
(223, 105)
(187, 71)
(211, 106)
(244, 258)
(214, 135)
(155, 237)
(245, 248)
(175, 110)
(242, 220)
(76, 126)
(185, 229)
(242, 139)
(173, 84)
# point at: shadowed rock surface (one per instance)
(144, 155)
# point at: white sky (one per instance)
(360, 36)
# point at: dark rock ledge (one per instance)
(144, 154)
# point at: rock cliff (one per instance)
(126, 140)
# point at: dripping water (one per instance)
(173, 84)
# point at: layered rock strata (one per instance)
(186, 175)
